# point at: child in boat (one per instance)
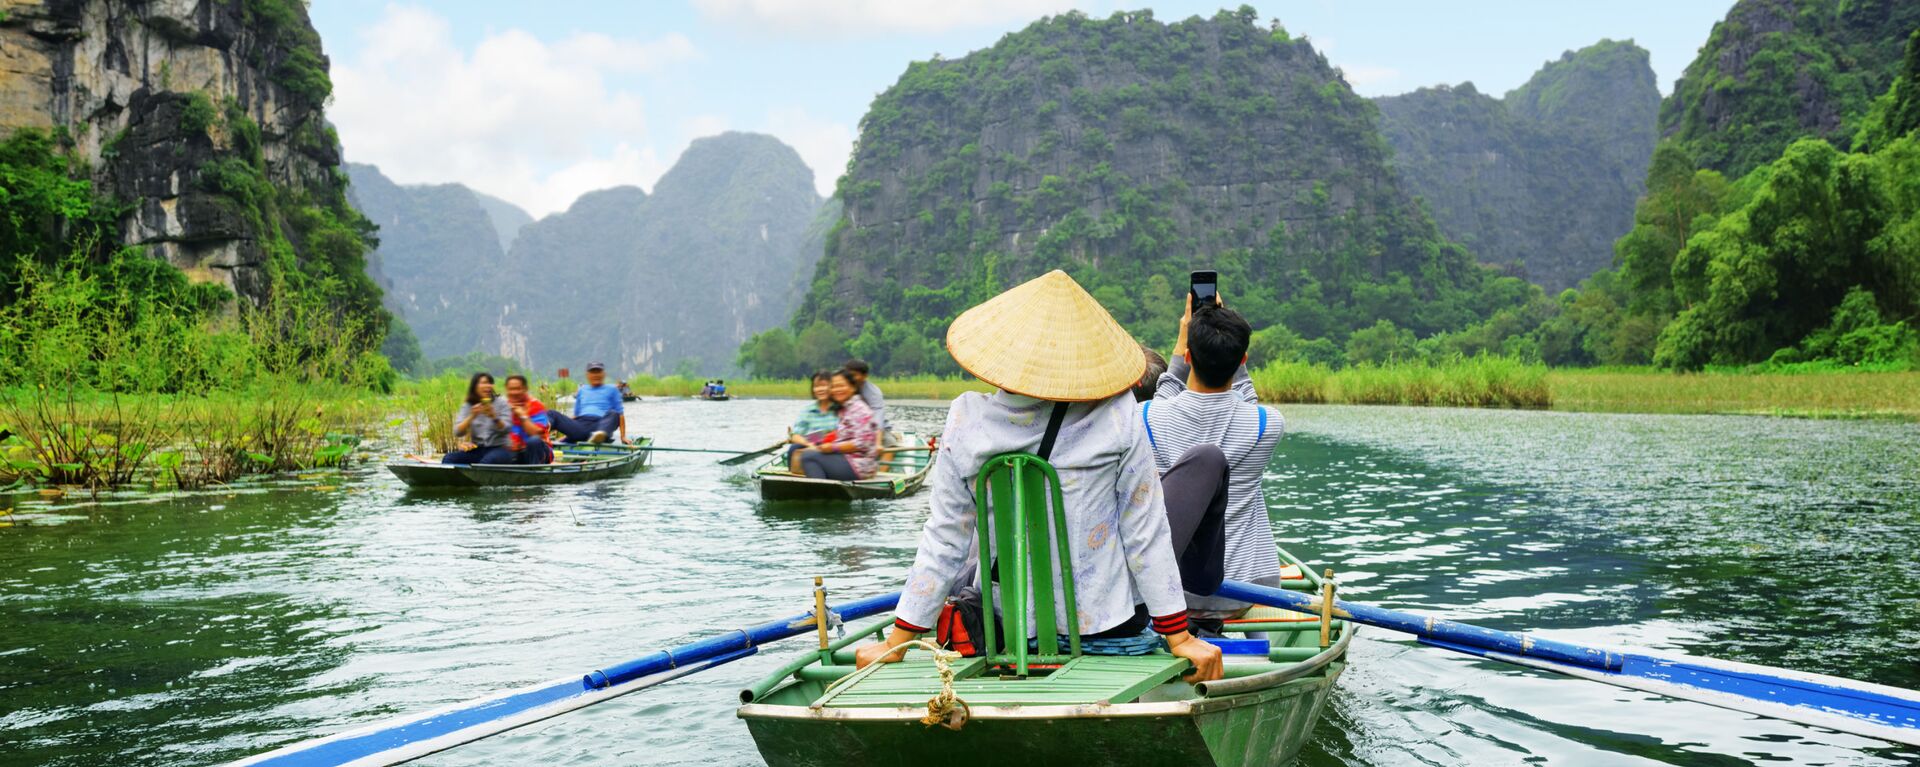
(1065, 371)
(816, 425)
(527, 436)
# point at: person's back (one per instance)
(1180, 417)
(1068, 403)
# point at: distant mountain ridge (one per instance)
(648, 283)
(1543, 180)
(439, 253)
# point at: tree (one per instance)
(771, 354)
(1381, 343)
(821, 345)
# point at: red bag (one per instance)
(959, 626)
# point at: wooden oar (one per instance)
(745, 457)
(411, 737)
(1860, 708)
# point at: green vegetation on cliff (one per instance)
(1128, 152)
(1775, 71)
(1813, 257)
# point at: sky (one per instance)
(538, 103)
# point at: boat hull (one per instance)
(428, 475)
(1256, 729)
(777, 485)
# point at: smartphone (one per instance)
(1203, 285)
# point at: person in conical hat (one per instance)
(1061, 363)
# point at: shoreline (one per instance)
(1845, 395)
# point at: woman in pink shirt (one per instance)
(855, 450)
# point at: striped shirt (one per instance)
(1179, 419)
(1117, 525)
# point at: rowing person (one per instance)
(481, 425)
(1065, 370)
(870, 394)
(597, 410)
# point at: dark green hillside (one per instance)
(1128, 151)
(440, 256)
(1778, 70)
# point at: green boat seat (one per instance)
(1020, 508)
(1083, 680)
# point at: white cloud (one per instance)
(823, 144)
(531, 121)
(866, 17)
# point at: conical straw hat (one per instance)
(1047, 339)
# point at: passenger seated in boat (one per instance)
(816, 424)
(870, 394)
(1064, 369)
(481, 425)
(1156, 364)
(527, 434)
(854, 451)
(1206, 400)
(597, 410)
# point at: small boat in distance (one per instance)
(903, 470)
(571, 463)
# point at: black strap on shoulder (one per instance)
(1058, 417)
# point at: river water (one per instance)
(198, 628)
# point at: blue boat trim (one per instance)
(403, 739)
(1859, 708)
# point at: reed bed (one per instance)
(72, 438)
(1466, 382)
(1827, 394)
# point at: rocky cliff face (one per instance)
(1128, 151)
(440, 260)
(1778, 70)
(1544, 180)
(158, 96)
(648, 283)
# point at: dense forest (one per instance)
(1543, 180)
(1128, 151)
(1811, 256)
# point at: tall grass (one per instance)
(1482, 381)
(1812, 393)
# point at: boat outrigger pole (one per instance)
(411, 737)
(1846, 705)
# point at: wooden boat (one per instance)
(1045, 706)
(902, 472)
(715, 397)
(572, 463)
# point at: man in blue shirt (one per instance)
(597, 411)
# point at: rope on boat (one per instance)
(945, 709)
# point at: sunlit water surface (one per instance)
(200, 628)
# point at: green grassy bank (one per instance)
(1495, 382)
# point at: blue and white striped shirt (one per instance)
(1179, 419)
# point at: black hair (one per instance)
(856, 366)
(822, 374)
(517, 377)
(846, 373)
(473, 386)
(1217, 339)
(1156, 364)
